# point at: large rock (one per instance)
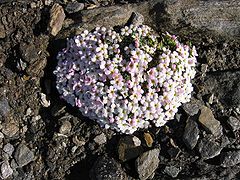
(147, 163)
(230, 158)
(191, 133)
(23, 155)
(192, 107)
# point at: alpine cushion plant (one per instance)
(128, 80)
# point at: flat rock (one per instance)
(4, 107)
(192, 107)
(23, 155)
(147, 163)
(129, 148)
(230, 158)
(57, 17)
(210, 124)
(234, 123)
(191, 133)
(106, 168)
(6, 170)
(172, 171)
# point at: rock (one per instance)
(129, 148)
(23, 155)
(10, 129)
(209, 147)
(2, 32)
(191, 133)
(234, 123)
(65, 127)
(8, 148)
(44, 101)
(147, 163)
(4, 107)
(100, 139)
(6, 170)
(57, 17)
(172, 171)
(1, 135)
(106, 168)
(73, 7)
(230, 158)
(148, 139)
(236, 95)
(137, 19)
(210, 124)
(192, 107)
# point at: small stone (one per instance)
(2, 32)
(236, 96)
(100, 139)
(191, 133)
(73, 7)
(147, 163)
(4, 107)
(192, 107)
(230, 158)
(172, 171)
(10, 129)
(8, 148)
(208, 121)
(65, 128)
(57, 17)
(43, 100)
(108, 169)
(23, 155)
(128, 148)
(1, 135)
(6, 170)
(234, 123)
(148, 139)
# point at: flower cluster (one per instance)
(126, 80)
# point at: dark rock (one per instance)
(174, 152)
(8, 148)
(210, 124)
(23, 155)
(100, 139)
(191, 133)
(192, 107)
(234, 123)
(57, 17)
(236, 95)
(147, 163)
(230, 158)
(4, 107)
(106, 168)
(73, 7)
(6, 170)
(172, 171)
(129, 148)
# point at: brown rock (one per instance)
(148, 139)
(10, 129)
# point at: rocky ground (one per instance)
(42, 137)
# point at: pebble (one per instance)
(43, 100)
(100, 139)
(230, 158)
(147, 163)
(148, 139)
(57, 17)
(8, 148)
(234, 123)
(191, 133)
(4, 107)
(172, 171)
(6, 170)
(65, 128)
(10, 129)
(23, 155)
(1, 135)
(129, 148)
(106, 168)
(192, 107)
(73, 7)
(210, 124)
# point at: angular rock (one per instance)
(172, 171)
(4, 107)
(191, 133)
(192, 107)
(6, 170)
(57, 17)
(10, 129)
(129, 148)
(65, 127)
(106, 168)
(147, 163)
(8, 148)
(234, 123)
(210, 124)
(23, 155)
(230, 158)
(137, 19)
(73, 7)
(100, 139)
(236, 95)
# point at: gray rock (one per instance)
(147, 163)
(137, 18)
(106, 168)
(234, 123)
(236, 95)
(4, 107)
(65, 127)
(129, 148)
(100, 139)
(8, 148)
(6, 170)
(73, 7)
(210, 124)
(172, 171)
(23, 155)
(57, 17)
(209, 147)
(192, 107)
(230, 158)
(191, 133)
